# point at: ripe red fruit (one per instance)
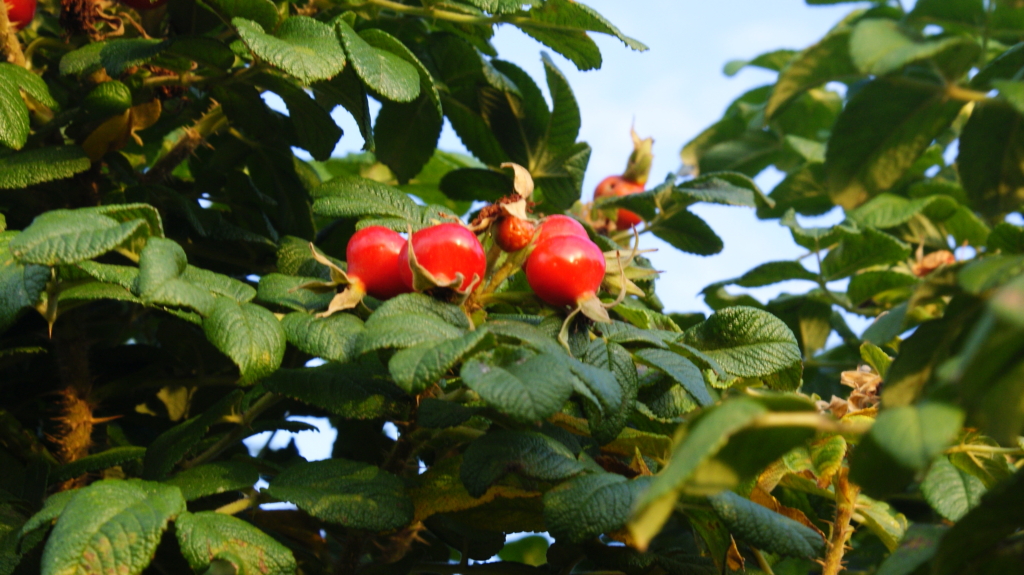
(372, 256)
(565, 270)
(445, 250)
(20, 12)
(512, 233)
(558, 225)
(619, 186)
(143, 5)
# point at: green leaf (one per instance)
(418, 367)
(774, 61)
(350, 197)
(97, 462)
(966, 227)
(283, 290)
(765, 529)
(613, 357)
(686, 231)
(991, 139)
(882, 131)
(748, 342)
(422, 304)
(680, 369)
(27, 81)
(982, 529)
(705, 437)
(214, 478)
(1007, 238)
(774, 272)
(352, 391)
(915, 549)
(802, 190)
(14, 126)
(334, 338)
(69, 236)
(903, 440)
(347, 90)
(881, 286)
(262, 12)
(172, 445)
(577, 15)
(827, 61)
(878, 47)
(91, 535)
(249, 334)
(406, 133)
(857, 251)
(120, 54)
(886, 211)
(969, 12)
(575, 45)
(315, 129)
(351, 494)
(950, 491)
(209, 536)
(876, 358)
(382, 71)
(20, 286)
(52, 508)
(526, 453)
(400, 332)
(303, 47)
(527, 387)
(160, 266)
(587, 506)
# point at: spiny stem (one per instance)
(846, 497)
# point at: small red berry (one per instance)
(558, 225)
(445, 250)
(20, 12)
(565, 270)
(372, 256)
(618, 186)
(512, 233)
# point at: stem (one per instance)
(993, 449)
(438, 14)
(965, 94)
(262, 404)
(187, 144)
(762, 563)
(238, 506)
(808, 419)
(846, 497)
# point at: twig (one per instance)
(846, 497)
(264, 403)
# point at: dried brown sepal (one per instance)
(926, 264)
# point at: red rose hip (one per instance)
(558, 225)
(372, 256)
(444, 251)
(20, 12)
(619, 186)
(565, 270)
(512, 233)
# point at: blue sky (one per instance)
(671, 93)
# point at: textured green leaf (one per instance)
(351, 494)
(587, 506)
(209, 536)
(92, 533)
(420, 366)
(879, 285)
(349, 197)
(950, 491)
(747, 342)
(826, 61)
(688, 232)
(1007, 238)
(97, 462)
(214, 478)
(263, 12)
(14, 126)
(765, 529)
(775, 61)
(876, 358)
(68, 236)
(402, 332)
(526, 453)
(916, 549)
(858, 251)
(519, 384)
(86, 58)
(346, 89)
(172, 445)
(878, 47)
(249, 334)
(29, 82)
(614, 358)
(120, 54)
(802, 190)
(41, 165)
(333, 338)
(888, 210)
(383, 72)
(160, 266)
(421, 304)
(774, 272)
(20, 285)
(130, 212)
(303, 47)
(315, 130)
(882, 131)
(52, 508)
(680, 369)
(571, 14)
(352, 391)
(967, 228)
(990, 144)
(575, 45)
(283, 290)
